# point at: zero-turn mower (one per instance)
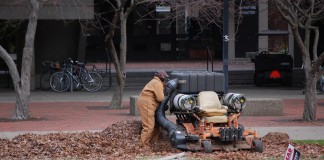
(205, 121)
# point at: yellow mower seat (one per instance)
(216, 119)
(212, 110)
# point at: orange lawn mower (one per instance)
(205, 122)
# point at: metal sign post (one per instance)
(225, 44)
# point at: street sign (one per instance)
(292, 153)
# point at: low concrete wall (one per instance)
(263, 107)
(133, 106)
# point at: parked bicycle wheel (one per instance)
(60, 81)
(45, 80)
(50, 68)
(92, 81)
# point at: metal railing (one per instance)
(209, 57)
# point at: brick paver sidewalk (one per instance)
(74, 116)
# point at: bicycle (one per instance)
(50, 68)
(79, 75)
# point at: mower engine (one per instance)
(235, 102)
(207, 122)
(184, 102)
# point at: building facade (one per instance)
(58, 33)
(61, 34)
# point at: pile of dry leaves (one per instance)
(121, 141)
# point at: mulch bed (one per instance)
(121, 141)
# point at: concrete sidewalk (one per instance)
(84, 111)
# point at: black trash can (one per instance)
(273, 69)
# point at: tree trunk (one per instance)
(118, 93)
(117, 98)
(309, 113)
(12, 67)
(23, 89)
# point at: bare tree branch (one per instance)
(302, 16)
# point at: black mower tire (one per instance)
(258, 147)
(207, 146)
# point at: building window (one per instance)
(165, 46)
(163, 25)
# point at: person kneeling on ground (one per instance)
(150, 98)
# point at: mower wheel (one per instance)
(207, 146)
(258, 145)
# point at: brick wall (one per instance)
(277, 22)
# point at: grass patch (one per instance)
(320, 142)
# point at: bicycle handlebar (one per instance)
(69, 61)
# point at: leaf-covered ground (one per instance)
(121, 141)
